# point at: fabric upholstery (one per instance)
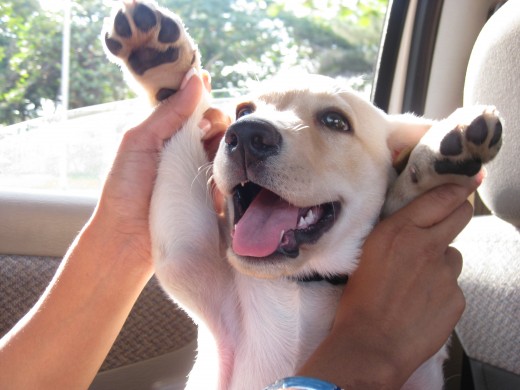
(493, 77)
(155, 326)
(489, 330)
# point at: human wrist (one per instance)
(117, 251)
(302, 383)
(374, 366)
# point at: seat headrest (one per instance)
(493, 77)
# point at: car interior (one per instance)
(435, 56)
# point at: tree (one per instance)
(24, 35)
(30, 59)
(239, 40)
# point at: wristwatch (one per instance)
(302, 383)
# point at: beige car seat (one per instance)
(489, 330)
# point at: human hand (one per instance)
(402, 303)
(122, 212)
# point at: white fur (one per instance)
(252, 330)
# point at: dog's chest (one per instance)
(282, 323)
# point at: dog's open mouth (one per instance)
(266, 224)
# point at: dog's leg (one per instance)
(452, 151)
(153, 47)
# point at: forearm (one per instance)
(63, 340)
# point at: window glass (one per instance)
(62, 113)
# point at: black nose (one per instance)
(252, 140)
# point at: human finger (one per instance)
(445, 231)
(216, 124)
(171, 113)
(435, 205)
(206, 79)
(454, 260)
(218, 121)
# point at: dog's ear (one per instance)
(404, 134)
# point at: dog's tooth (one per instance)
(309, 218)
(301, 223)
(281, 237)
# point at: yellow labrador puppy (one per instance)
(306, 169)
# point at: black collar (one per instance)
(335, 280)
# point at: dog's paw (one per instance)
(475, 140)
(452, 151)
(152, 44)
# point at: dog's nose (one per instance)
(251, 140)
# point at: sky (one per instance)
(52, 5)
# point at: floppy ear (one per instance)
(404, 134)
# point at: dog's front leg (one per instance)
(155, 50)
(452, 151)
(184, 224)
(187, 252)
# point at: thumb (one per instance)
(435, 205)
(171, 113)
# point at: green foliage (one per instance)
(30, 59)
(239, 40)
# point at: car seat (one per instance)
(489, 330)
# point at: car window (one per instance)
(62, 112)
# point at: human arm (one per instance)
(65, 337)
(403, 301)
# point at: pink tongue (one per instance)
(259, 230)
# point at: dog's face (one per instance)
(304, 169)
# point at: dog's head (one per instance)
(304, 170)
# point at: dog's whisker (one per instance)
(300, 127)
(205, 170)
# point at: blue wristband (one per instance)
(302, 383)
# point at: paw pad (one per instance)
(477, 131)
(122, 26)
(169, 31)
(144, 18)
(451, 144)
(464, 167)
(144, 58)
(497, 136)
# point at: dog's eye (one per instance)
(244, 109)
(334, 121)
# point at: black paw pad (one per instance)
(477, 131)
(451, 144)
(497, 135)
(122, 26)
(466, 167)
(169, 31)
(164, 93)
(113, 45)
(144, 18)
(145, 58)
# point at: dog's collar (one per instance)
(335, 280)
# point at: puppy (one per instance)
(306, 170)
